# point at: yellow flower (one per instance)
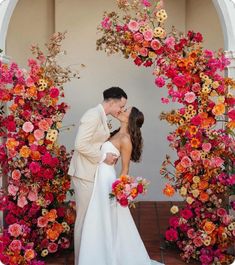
(207, 241)
(195, 193)
(208, 81)
(215, 84)
(152, 54)
(189, 200)
(190, 107)
(25, 151)
(174, 209)
(221, 99)
(44, 253)
(196, 179)
(183, 191)
(218, 109)
(159, 32)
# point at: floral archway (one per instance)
(204, 135)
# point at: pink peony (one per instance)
(42, 221)
(12, 190)
(64, 242)
(195, 155)
(191, 233)
(138, 37)
(159, 81)
(155, 44)
(16, 174)
(186, 162)
(198, 241)
(190, 97)
(179, 81)
(54, 92)
(170, 42)
(196, 87)
(231, 114)
(221, 212)
(22, 201)
(52, 247)
(217, 162)
(206, 147)
(171, 235)
(148, 35)
(15, 230)
(38, 134)
(186, 214)
(15, 245)
(133, 26)
(28, 126)
(34, 167)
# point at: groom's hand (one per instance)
(111, 159)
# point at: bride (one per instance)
(109, 235)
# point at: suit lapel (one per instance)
(103, 118)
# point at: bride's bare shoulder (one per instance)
(125, 139)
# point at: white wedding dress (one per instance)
(109, 234)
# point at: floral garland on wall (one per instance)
(204, 135)
(38, 221)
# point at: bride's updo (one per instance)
(136, 120)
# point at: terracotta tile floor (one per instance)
(151, 220)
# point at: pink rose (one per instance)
(38, 134)
(195, 155)
(155, 44)
(52, 247)
(226, 219)
(64, 242)
(189, 97)
(206, 162)
(15, 230)
(115, 183)
(138, 37)
(13, 190)
(22, 201)
(16, 174)
(170, 42)
(171, 235)
(186, 162)
(191, 233)
(44, 125)
(33, 196)
(15, 245)
(165, 100)
(221, 212)
(196, 87)
(42, 221)
(217, 162)
(198, 241)
(159, 81)
(133, 26)
(206, 147)
(143, 52)
(148, 35)
(28, 126)
(54, 92)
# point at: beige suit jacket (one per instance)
(92, 133)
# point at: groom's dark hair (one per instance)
(114, 93)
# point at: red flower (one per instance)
(34, 167)
(174, 222)
(138, 61)
(148, 63)
(231, 114)
(48, 173)
(186, 214)
(140, 188)
(54, 92)
(171, 235)
(124, 202)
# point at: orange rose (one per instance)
(204, 197)
(57, 227)
(25, 151)
(13, 107)
(18, 89)
(123, 179)
(52, 234)
(11, 143)
(29, 254)
(52, 215)
(169, 190)
(35, 155)
(32, 91)
(134, 193)
(231, 125)
(218, 109)
(203, 185)
(31, 138)
(209, 227)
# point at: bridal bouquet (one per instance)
(127, 188)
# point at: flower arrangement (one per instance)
(126, 189)
(38, 221)
(203, 173)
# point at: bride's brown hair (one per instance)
(135, 122)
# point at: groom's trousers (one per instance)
(83, 190)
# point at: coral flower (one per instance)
(169, 190)
(218, 109)
(29, 254)
(209, 227)
(195, 142)
(25, 151)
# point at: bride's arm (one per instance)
(125, 150)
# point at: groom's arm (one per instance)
(87, 129)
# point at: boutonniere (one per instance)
(109, 124)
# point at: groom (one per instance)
(92, 133)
